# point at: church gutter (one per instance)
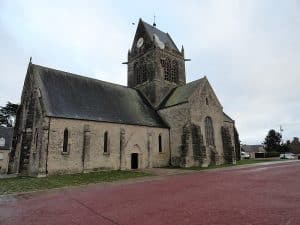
(100, 121)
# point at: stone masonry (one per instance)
(67, 123)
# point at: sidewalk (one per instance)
(167, 171)
(7, 175)
(177, 171)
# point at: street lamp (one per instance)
(281, 130)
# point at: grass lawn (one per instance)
(240, 162)
(25, 184)
(251, 161)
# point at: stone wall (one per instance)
(230, 132)
(237, 144)
(187, 129)
(204, 103)
(176, 117)
(193, 150)
(86, 146)
(4, 159)
(229, 153)
(155, 87)
(29, 130)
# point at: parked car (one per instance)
(245, 155)
(287, 155)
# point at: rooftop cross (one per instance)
(154, 24)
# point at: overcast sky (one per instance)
(249, 50)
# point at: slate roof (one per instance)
(181, 94)
(252, 148)
(164, 37)
(7, 134)
(227, 118)
(67, 95)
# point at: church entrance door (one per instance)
(134, 160)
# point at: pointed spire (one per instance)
(29, 70)
(182, 50)
(154, 24)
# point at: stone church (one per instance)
(67, 123)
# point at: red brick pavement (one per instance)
(259, 195)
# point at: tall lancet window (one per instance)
(159, 143)
(174, 71)
(209, 131)
(140, 71)
(170, 69)
(66, 140)
(105, 144)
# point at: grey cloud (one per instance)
(250, 56)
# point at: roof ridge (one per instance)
(164, 36)
(154, 27)
(194, 81)
(172, 41)
(180, 94)
(79, 76)
(165, 99)
(227, 116)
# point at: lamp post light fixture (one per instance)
(281, 131)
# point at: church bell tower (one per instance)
(155, 65)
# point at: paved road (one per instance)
(262, 195)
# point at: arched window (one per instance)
(140, 71)
(170, 69)
(136, 72)
(66, 140)
(105, 148)
(143, 72)
(167, 68)
(159, 143)
(174, 71)
(209, 131)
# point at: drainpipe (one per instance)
(83, 150)
(49, 123)
(148, 149)
(122, 143)
(170, 156)
(86, 145)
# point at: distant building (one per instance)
(68, 123)
(6, 136)
(252, 149)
